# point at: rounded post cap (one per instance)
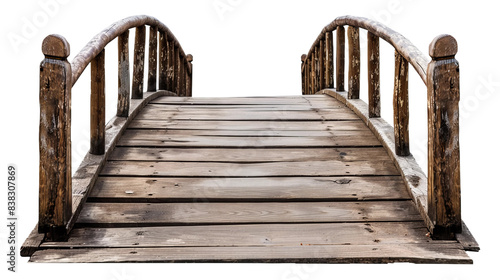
(443, 45)
(189, 57)
(56, 46)
(303, 57)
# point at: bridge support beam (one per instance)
(55, 194)
(444, 207)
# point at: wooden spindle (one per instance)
(177, 71)
(97, 105)
(373, 76)
(153, 58)
(171, 65)
(163, 54)
(55, 193)
(308, 76)
(401, 106)
(138, 76)
(123, 76)
(313, 72)
(182, 76)
(321, 63)
(303, 73)
(340, 70)
(443, 95)
(329, 59)
(189, 85)
(354, 62)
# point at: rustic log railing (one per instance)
(441, 206)
(57, 211)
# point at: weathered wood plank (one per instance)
(401, 106)
(32, 243)
(354, 62)
(270, 169)
(138, 74)
(348, 234)
(145, 140)
(310, 100)
(373, 76)
(123, 105)
(377, 253)
(128, 189)
(158, 214)
(244, 125)
(245, 155)
(97, 105)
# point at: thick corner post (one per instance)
(443, 94)
(55, 194)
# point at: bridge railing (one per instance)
(440, 75)
(57, 77)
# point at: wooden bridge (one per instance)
(312, 178)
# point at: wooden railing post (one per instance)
(153, 58)
(123, 76)
(443, 95)
(329, 59)
(373, 76)
(313, 72)
(321, 62)
(401, 106)
(171, 65)
(97, 105)
(303, 73)
(138, 77)
(340, 70)
(163, 51)
(354, 62)
(177, 66)
(189, 77)
(55, 194)
(308, 76)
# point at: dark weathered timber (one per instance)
(163, 62)
(181, 85)
(153, 58)
(139, 53)
(308, 76)
(354, 62)
(97, 105)
(176, 70)
(55, 139)
(123, 76)
(373, 76)
(401, 106)
(32, 243)
(314, 72)
(189, 75)
(340, 70)
(303, 73)
(321, 62)
(171, 65)
(329, 59)
(443, 90)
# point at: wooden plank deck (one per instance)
(257, 179)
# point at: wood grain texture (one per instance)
(163, 61)
(329, 60)
(373, 76)
(139, 53)
(123, 76)
(401, 106)
(153, 58)
(340, 69)
(55, 139)
(354, 62)
(97, 105)
(162, 214)
(274, 189)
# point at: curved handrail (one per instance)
(99, 42)
(411, 53)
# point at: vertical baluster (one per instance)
(177, 70)
(321, 63)
(401, 107)
(313, 72)
(308, 76)
(373, 76)
(55, 197)
(138, 76)
(163, 53)
(443, 90)
(340, 73)
(123, 76)
(303, 73)
(354, 62)
(329, 59)
(316, 69)
(189, 86)
(153, 58)
(182, 75)
(171, 65)
(97, 105)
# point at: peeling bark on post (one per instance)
(55, 194)
(401, 106)
(340, 73)
(163, 53)
(123, 76)
(354, 62)
(138, 77)
(329, 59)
(153, 58)
(443, 90)
(373, 76)
(97, 105)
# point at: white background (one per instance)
(241, 48)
